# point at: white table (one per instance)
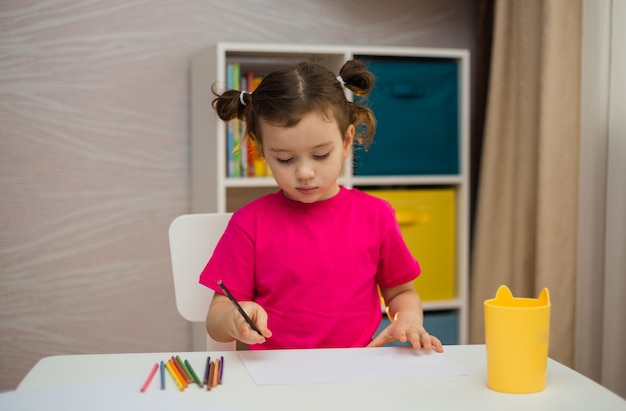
(565, 390)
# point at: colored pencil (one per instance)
(184, 366)
(219, 380)
(176, 369)
(149, 379)
(193, 373)
(207, 368)
(175, 377)
(181, 370)
(216, 373)
(162, 375)
(211, 374)
(239, 308)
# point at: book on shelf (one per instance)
(236, 126)
(242, 160)
(230, 139)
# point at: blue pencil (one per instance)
(162, 375)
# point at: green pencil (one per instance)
(193, 374)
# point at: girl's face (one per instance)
(306, 160)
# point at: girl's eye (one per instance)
(284, 160)
(321, 157)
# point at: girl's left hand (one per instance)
(418, 337)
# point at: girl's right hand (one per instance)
(242, 331)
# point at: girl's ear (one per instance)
(348, 139)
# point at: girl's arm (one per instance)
(404, 309)
(224, 323)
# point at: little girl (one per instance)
(307, 261)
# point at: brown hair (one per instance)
(284, 96)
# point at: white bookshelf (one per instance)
(213, 191)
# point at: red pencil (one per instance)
(149, 379)
(181, 370)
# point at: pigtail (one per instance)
(230, 104)
(357, 77)
(360, 81)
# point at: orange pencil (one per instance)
(216, 373)
(174, 375)
(211, 374)
(178, 374)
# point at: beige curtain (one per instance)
(525, 233)
(601, 282)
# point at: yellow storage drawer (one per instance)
(427, 222)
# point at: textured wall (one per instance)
(94, 132)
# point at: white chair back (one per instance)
(192, 239)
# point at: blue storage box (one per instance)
(416, 104)
(442, 324)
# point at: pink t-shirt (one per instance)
(313, 267)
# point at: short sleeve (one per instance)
(232, 262)
(397, 265)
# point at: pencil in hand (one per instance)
(241, 311)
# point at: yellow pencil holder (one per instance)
(517, 334)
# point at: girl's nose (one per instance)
(304, 171)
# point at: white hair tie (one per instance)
(340, 79)
(241, 97)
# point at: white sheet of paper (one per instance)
(118, 394)
(345, 365)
